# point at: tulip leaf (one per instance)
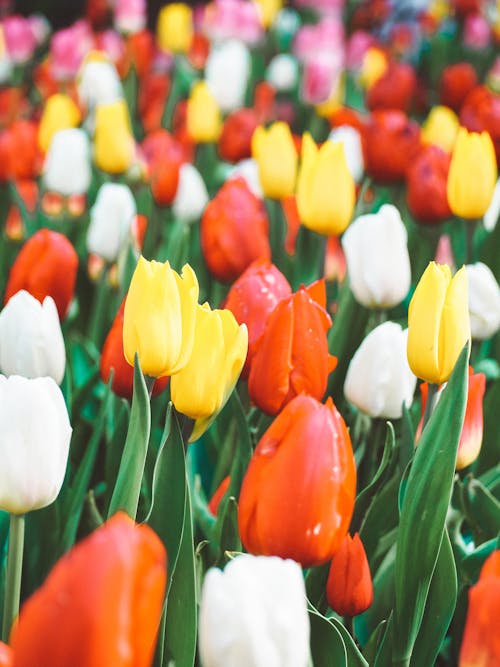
(128, 484)
(380, 519)
(482, 508)
(423, 515)
(327, 646)
(370, 650)
(384, 649)
(490, 448)
(470, 566)
(229, 534)
(354, 656)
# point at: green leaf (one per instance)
(482, 508)
(384, 649)
(425, 505)
(354, 656)
(490, 448)
(128, 485)
(370, 650)
(327, 646)
(382, 517)
(471, 566)
(230, 536)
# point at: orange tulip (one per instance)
(100, 605)
(349, 589)
(164, 156)
(235, 142)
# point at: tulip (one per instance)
(291, 356)
(378, 263)
(35, 443)
(227, 71)
(67, 164)
(274, 150)
(98, 83)
(379, 379)
(373, 67)
(191, 196)
(232, 19)
(234, 231)
(268, 10)
(160, 317)
(438, 323)
(480, 641)
(164, 156)
(110, 221)
(455, 84)
(59, 113)
(68, 48)
(350, 138)
(325, 189)
(472, 176)
(441, 128)
(6, 656)
(481, 112)
(235, 141)
(46, 266)
(100, 605)
(349, 589)
(248, 170)
(394, 89)
(113, 140)
(130, 16)
(18, 38)
(484, 301)
(306, 449)
(321, 78)
(426, 180)
(283, 72)
(204, 121)
(19, 152)
(174, 29)
(391, 144)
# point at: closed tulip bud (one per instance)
(378, 263)
(440, 128)
(114, 146)
(292, 356)
(379, 379)
(472, 176)
(160, 317)
(204, 122)
(35, 443)
(98, 83)
(174, 29)
(46, 266)
(349, 589)
(274, 150)
(484, 301)
(67, 164)
(254, 614)
(100, 605)
(235, 142)
(191, 196)
(227, 71)
(426, 180)
(438, 322)
(59, 113)
(31, 340)
(350, 138)
(110, 221)
(308, 449)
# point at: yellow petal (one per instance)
(455, 325)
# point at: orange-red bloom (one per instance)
(153, 91)
(219, 494)
(100, 605)
(20, 157)
(426, 180)
(481, 639)
(234, 231)
(395, 89)
(298, 493)
(481, 111)
(349, 589)
(6, 656)
(456, 83)
(164, 156)
(45, 266)
(291, 356)
(235, 142)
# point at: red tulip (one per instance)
(164, 156)
(140, 51)
(481, 639)
(219, 494)
(253, 297)
(465, 7)
(234, 231)
(45, 266)
(153, 92)
(235, 142)
(298, 493)
(481, 111)
(456, 83)
(426, 180)
(19, 154)
(100, 605)
(291, 356)
(349, 589)
(394, 90)
(6, 656)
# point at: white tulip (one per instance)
(98, 83)
(353, 150)
(31, 340)
(484, 301)
(254, 614)
(191, 196)
(493, 213)
(227, 71)
(379, 379)
(248, 170)
(378, 263)
(110, 221)
(34, 445)
(67, 164)
(283, 72)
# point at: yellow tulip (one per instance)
(201, 389)
(59, 113)
(268, 10)
(326, 192)
(472, 176)
(335, 101)
(274, 150)
(374, 66)
(441, 128)
(114, 146)
(204, 122)
(159, 317)
(438, 323)
(174, 29)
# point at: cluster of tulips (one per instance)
(230, 250)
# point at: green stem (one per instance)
(470, 230)
(173, 98)
(100, 303)
(14, 572)
(431, 402)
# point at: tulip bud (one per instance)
(174, 30)
(191, 196)
(426, 180)
(484, 301)
(35, 443)
(113, 141)
(283, 72)
(98, 83)
(203, 120)
(110, 221)
(67, 164)
(308, 449)
(438, 323)
(472, 176)
(59, 113)
(379, 379)
(227, 71)
(441, 128)
(274, 150)
(349, 589)
(350, 138)
(254, 614)
(160, 317)
(378, 263)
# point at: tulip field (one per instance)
(249, 334)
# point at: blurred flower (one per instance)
(68, 48)
(164, 156)
(130, 15)
(476, 32)
(282, 72)
(35, 443)
(110, 220)
(20, 40)
(204, 122)
(350, 138)
(268, 10)
(254, 614)
(174, 29)
(248, 170)
(455, 84)
(349, 589)
(191, 196)
(20, 157)
(100, 605)
(308, 449)
(492, 215)
(321, 75)
(232, 19)
(67, 163)
(113, 141)
(484, 301)
(481, 112)
(394, 89)
(426, 180)
(98, 83)
(440, 128)
(59, 113)
(235, 141)
(373, 66)
(274, 150)
(438, 323)
(227, 72)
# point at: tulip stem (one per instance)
(98, 318)
(470, 230)
(14, 571)
(431, 402)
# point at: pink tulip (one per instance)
(68, 48)
(477, 33)
(226, 19)
(111, 42)
(130, 15)
(327, 36)
(321, 76)
(357, 46)
(20, 39)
